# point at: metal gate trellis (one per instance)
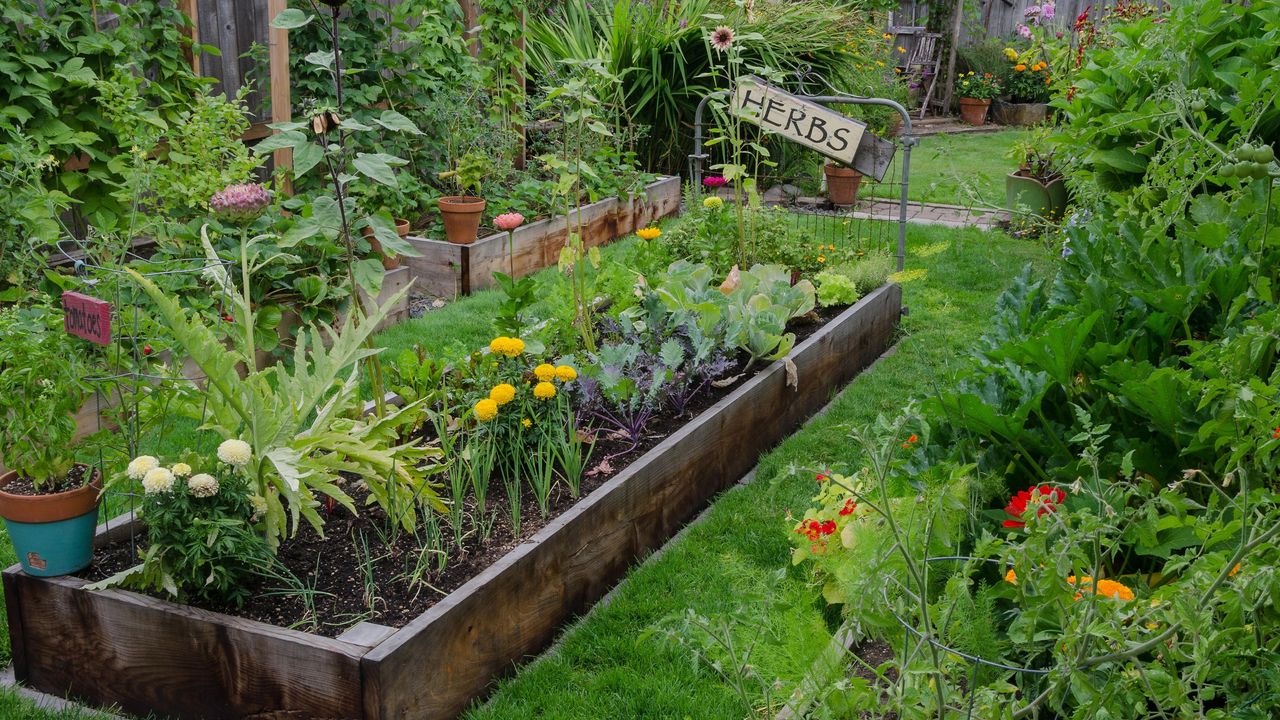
(846, 225)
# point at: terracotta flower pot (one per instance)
(388, 263)
(461, 217)
(974, 111)
(842, 184)
(52, 534)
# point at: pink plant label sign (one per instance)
(87, 317)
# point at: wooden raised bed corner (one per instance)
(144, 654)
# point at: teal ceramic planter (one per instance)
(54, 548)
(51, 534)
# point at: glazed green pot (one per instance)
(1048, 200)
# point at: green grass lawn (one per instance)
(602, 666)
(965, 169)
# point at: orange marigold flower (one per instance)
(1019, 67)
(1106, 588)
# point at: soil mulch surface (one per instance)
(75, 479)
(366, 568)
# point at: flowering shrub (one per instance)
(979, 87)
(202, 543)
(1028, 82)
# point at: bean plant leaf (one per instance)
(378, 167)
(291, 19)
(395, 122)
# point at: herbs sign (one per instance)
(812, 125)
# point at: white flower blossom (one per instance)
(181, 469)
(203, 485)
(140, 466)
(235, 452)
(157, 480)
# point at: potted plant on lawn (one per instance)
(1037, 185)
(842, 183)
(975, 93)
(462, 213)
(48, 501)
(1027, 88)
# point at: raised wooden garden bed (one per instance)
(448, 270)
(118, 647)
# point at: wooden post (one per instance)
(520, 80)
(956, 18)
(188, 8)
(470, 16)
(281, 107)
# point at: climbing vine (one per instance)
(501, 54)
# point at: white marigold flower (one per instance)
(235, 452)
(140, 466)
(181, 469)
(157, 480)
(203, 485)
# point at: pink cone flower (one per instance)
(508, 221)
(240, 203)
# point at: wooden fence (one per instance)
(995, 18)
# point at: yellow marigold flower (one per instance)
(712, 203)
(901, 49)
(1019, 67)
(502, 393)
(1011, 577)
(565, 373)
(649, 233)
(526, 422)
(544, 391)
(879, 63)
(511, 347)
(545, 372)
(486, 410)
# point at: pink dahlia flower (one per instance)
(508, 221)
(714, 181)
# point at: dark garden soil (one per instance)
(365, 568)
(74, 479)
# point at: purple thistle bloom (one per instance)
(240, 203)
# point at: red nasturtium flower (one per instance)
(1045, 498)
(910, 441)
(820, 477)
(849, 507)
(1275, 434)
(814, 529)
